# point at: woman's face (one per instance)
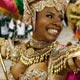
(48, 25)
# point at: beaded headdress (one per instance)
(33, 6)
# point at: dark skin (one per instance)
(47, 19)
(47, 29)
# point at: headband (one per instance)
(33, 6)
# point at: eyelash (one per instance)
(49, 16)
(52, 16)
(61, 18)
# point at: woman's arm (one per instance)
(18, 69)
(36, 71)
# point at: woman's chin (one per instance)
(51, 39)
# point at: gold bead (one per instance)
(30, 62)
(59, 69)
(41, 59)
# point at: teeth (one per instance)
(52, 31)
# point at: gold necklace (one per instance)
(38, 44)
(40, 54)
(58, 60)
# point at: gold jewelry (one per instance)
(57, 61)
(2, 41)
(59, 58)
(5, 50)
(37, 6)
(40, 5)
(74, 51)
(37, 55)
(78, 58)
(34, 74)
(38, 44)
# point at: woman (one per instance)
(46, 18)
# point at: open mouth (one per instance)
(52, 31)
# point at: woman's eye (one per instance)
(61, 18)
(49, 16)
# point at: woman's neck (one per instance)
(38, 44)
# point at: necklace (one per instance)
(38, 44)
(58, 60)
(40, 54)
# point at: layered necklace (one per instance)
(38, 52)
(38, 44)
(59, 58)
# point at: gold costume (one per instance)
(54, 53)
(10, 51)
(34, 52)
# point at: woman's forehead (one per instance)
(33, 6)
(51, 10)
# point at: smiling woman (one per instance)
(46, 18)
(43, 58)
(50, 29)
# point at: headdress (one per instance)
(33, 6)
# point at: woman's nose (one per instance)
(57, 19)
(57, 22)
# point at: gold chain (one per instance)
(35, 56)
(58, 60)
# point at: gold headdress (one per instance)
(33, 6)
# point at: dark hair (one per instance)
(65, 19)
(72, 1)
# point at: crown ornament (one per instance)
(33, 6)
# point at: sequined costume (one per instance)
(52, 55)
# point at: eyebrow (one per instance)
(55, 13)
(51, 13)
(61, 15)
